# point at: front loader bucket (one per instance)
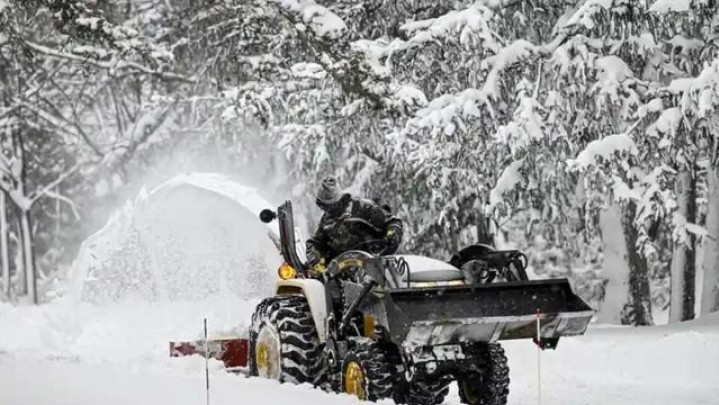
(487, 313)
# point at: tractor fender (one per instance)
(314, 292)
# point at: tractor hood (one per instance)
(426, 269)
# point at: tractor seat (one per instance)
(425, 269)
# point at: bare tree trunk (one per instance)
(27, 242)
(4, 251)
(690, 271)
(679, 256)
(484, 229)
(638, 310)
(29, 256)
(615, 265)
(710, 288)
(20, 268)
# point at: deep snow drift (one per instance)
(618, 366)
(106, 341)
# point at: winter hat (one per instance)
(329, 191)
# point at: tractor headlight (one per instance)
(286, 272)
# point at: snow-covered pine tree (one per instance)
(59, 60)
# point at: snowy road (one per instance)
(617, 366)
(38, 382)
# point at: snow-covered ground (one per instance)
(121, 357)
(78, 351)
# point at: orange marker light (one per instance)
(286, 272)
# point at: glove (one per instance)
(315, 261)
(393, 237)
(313, 258)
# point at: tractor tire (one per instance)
(366, 373)
(284, 344)
(491, 386)
(430, 392)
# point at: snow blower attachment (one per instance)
(405, 326)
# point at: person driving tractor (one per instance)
(348, 223)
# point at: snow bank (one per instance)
(132, 335)
(671, 364)
(609, 365)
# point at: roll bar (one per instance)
(288, 245)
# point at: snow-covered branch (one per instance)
(47, 189)
(112, 68)
(605, 148)
(66, 200)
(322, 22)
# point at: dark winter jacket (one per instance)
(338, 234)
